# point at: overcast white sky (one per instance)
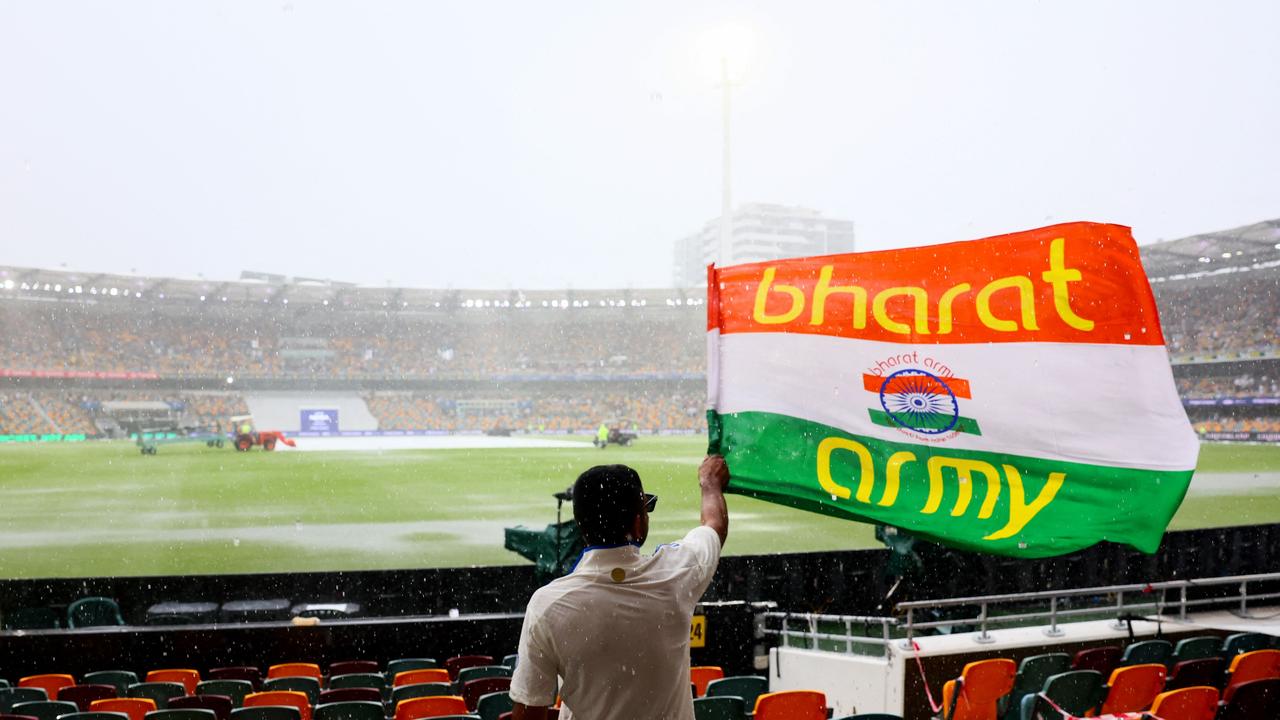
(553, 144)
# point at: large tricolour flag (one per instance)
(1009, 395)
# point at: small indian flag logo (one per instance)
(918, 401)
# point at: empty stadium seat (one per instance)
(1252, 700)
(700, 675)
(472, 690)
(415, 690)
(45, 709)
(1078, 692)
(84, 695)
(294, 669)
(135, 708)
(1133, 688)
(1255, 665)
(51, 683)
(350, 711)
(1101, 659)
(289, 698)
(466, 675)
(399, 665)
(493, 705)
(1241, 643)
(220, 705)
(510, 660)
(1146, 652)
(10, 716)
(725, 707)
(183, 714)
(159, 693)
(233, 689)
(90, 715)
(791, 705)
(425, 675)
(185, 677)
(430, 707)
(356, 694)
(16, 695)
(358, 680)
(1199, 671)
(120, 679)
(747, 687)
(240, 672)
(1032, 672)
(976, 693)
(353, 667)
(1193, 703)
(93, 612)
(458, 662)
(1195, 648)
(31, 618)
(267, 712)
(298, 683)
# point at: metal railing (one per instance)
(1162, 600)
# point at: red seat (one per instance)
(1103, 659)
(51, 683)
(351, 667)
(1256, 665)
(349, 695)
(135, 708)
(702, 675)
(187, 678)
(295, 669)
(84, 695)
(1251, 700)
(1200, 671)
(1193, 703)
(221, 705)
(425, 675)
(791, 705)
(456, 663)
(292, 698)
(473, 689)
(429, 707)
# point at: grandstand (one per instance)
(89, 356)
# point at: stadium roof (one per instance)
(1220, 252)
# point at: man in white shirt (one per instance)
(615, 631)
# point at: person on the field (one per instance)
(602, 435)
(614, 633)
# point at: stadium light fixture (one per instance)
(201, 298)
(1226, 254)
(230, 380)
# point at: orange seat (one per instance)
(188, 679)
(1133, 688)
(790, 705)
(1256, 665)
(311, 670)
(291, 698)
(433, 706)
(423, 675)
(1193, 703)
(701, 675)
(973, 695)
(135, 708)
(50, 683)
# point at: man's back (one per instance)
(616, 630)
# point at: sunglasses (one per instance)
(650, 502)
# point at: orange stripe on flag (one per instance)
(960, 387)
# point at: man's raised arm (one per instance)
(713, 478)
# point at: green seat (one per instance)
(3, 683)
(266, 712)
(182, 714)
(377, 681)
(297, 683)
(511, 660)
(1146, 652)
(492, 705)
(234, 689)
(119, 679)
(45, 709)
(1244, 642)
(1032, 672)
(747, 687)
(1076, 691)
(14, 695)
(161, 692)
(95, 715)
(349, 711)
(30, 618)
(406, 692)
(466, 675)
(93, 612)
(404, 664)
(721, 707)
(1195, 648)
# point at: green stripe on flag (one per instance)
(932, 421)
(985, 501)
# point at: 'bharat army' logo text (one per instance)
(921, 403)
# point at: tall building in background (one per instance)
(760, 231)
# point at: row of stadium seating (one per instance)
(1192, 680)
(406, 689)
(1239, 385)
